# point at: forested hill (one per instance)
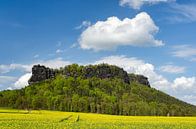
(95, 88)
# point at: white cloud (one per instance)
(173, 69)
(183, 12)
(109, 34)
(9, 88)
(11, 67)
(184, 51)
(53, 63)
(83, 25)
(190, 98)
(184, 88)
(137, 4)
(177, 12)
(22, 81)
(180, 87)
(184, 83)
(134, 65)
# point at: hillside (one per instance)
(95, 88)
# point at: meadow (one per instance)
(41, 119)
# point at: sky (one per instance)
(155, 38)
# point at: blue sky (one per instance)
(156, 39)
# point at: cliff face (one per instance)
(105, 71)
(40, 73)
(139, 79)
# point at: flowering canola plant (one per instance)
(21, 119)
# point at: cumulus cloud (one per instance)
(184, 88)
(134, 65)
(179, 87)
(137, 4)
(22, 81)
(184, 83)
(109, 34)
(173, 69)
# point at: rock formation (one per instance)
(139, 79)
(40, 73)
(106, 71)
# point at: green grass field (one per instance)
(21, 119)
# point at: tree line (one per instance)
(95, 95)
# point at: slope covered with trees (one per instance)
(70, 90)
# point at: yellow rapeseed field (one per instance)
(21, 119)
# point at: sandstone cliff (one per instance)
(40, 73)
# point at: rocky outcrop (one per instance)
(40, 73)
(106, 71)
(139, 79)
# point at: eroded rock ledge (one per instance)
(41, 73)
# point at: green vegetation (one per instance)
(95, 95)
(20, 119)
